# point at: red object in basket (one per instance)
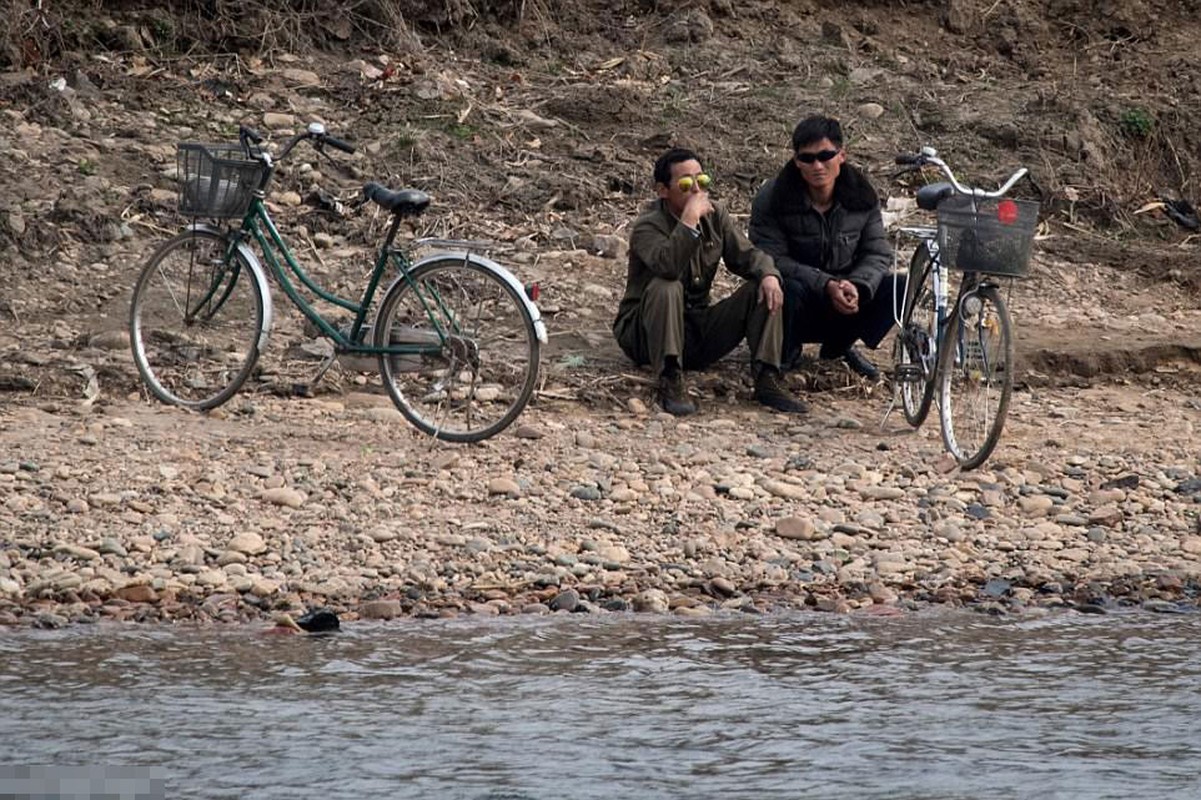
(1007, 212)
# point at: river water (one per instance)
(931, 705)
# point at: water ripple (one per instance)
(946, 705)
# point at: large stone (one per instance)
(284, 496)
(796, 528)
(505, 486)
(137, 593)
(248, 542)
(789, 491)
(380, 609)
(652, 601)
(301, 77)
(1108, 516)
(275, 120)
(870, 110)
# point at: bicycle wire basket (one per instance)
(993, 235)
(216, 180)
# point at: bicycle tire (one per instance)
(912, 347)
(195, 321)
(482, 374)
(976, 375)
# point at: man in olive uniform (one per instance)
(665, 318)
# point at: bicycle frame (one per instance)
(973, 283)
(940, 278)
(283, 265)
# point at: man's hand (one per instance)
(770, 294)
(844, 295)
(698, 206)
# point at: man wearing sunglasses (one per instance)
(820, 219)
(666, 318)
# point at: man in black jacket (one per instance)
(820, 219)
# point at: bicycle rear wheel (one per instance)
(478, 358)
(195, 321)
(913, 349)
(976, 374)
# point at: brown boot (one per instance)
(673, 396)
(770, 391)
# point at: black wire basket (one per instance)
(216, 180)
(994, 236)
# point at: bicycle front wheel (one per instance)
(976, 375)
(195, 321)
(474, 358)
(913, 349)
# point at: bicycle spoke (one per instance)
(187, 358)
(486, 363)
(977, 377)
(913, 349)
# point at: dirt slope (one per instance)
(535, 124)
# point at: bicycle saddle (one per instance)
(404, 203)
(928, 197)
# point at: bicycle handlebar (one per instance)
(315, 133)
(929, 157)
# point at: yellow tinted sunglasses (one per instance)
(702, 180)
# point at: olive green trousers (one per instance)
(663, 326)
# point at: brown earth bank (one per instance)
(533, 125)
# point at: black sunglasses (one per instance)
(822, 156)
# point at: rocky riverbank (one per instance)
(538, 133)
(128, 511)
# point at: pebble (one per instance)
(505, 486)
(567, 600)
(248, 543)
(610, 511)
(796, 528)
(284, 496)
(380, 609)
(586, 492)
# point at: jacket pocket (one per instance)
(847, 245)
(710, 256)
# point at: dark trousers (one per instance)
(697, 337)
(810, 317)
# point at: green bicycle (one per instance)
(457, 337)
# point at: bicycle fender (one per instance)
(505, 275)
(260, 277)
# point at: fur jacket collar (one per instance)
(853, 191)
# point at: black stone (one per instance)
(977, 511)
(1190, 486)
(997, 587)
(1124, 482)
(566, 600)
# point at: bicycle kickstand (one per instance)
(306, 389)
(891, 405)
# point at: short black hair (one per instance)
(675, 155)
(815, 128)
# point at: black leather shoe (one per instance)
(771, 392)
(860, 364)
(674, 397)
